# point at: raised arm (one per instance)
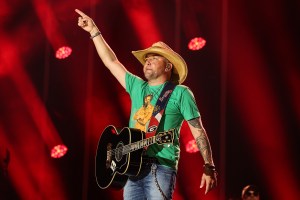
(106, 54)
(209, 176)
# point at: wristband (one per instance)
(209, 170)
(96, 34)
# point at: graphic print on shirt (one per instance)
(143, 115)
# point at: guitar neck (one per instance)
(160, 138)
(139, 145)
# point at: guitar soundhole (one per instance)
(119, 151)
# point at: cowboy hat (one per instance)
(179, 66)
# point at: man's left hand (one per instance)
(209, 181)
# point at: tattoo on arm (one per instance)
(195, 123)
(204, 148)
(202, 141)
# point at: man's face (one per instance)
(154, 66)
(147, 100)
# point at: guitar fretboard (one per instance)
(140, 144)
(132, 147)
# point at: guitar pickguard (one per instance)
(108, 156)
(113, 160)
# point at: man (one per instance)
(161, 65)
(250, 192)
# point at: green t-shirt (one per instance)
(181, 106)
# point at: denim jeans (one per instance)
(144, 185)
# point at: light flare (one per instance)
(59, 151)
(196, 43)
(191, 146)
(63, 52)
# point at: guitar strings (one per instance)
(127, 147)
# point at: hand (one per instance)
(210, 182)
(86, 23)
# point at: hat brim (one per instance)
(179, 65)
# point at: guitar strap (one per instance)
(159, 109)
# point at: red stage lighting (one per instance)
(63, 52)
(191, 146)
(59, 151)
(196, 43)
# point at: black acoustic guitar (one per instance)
(119, 154)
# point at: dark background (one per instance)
(246, 82)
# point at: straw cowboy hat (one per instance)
(179, 66)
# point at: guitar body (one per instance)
(113, 166)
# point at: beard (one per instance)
(150, 75)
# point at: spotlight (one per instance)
(59, 151)
(196, 43)
(63, 52)
(191, 146)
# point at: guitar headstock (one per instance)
(165, 137)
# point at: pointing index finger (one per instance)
(80, 13)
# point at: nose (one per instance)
(148, 62)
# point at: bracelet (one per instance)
(210, 170)
(96, 34)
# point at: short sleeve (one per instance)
(132, 81)
(188, 105)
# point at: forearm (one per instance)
(202, 140)
(204, 147)
(108, 57)
(103, 49)
(105, 53)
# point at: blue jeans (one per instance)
(144, 185)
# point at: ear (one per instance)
(168, 67)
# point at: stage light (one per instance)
(196, 43)
(59, 151)
(191, 146)
(63, 52)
